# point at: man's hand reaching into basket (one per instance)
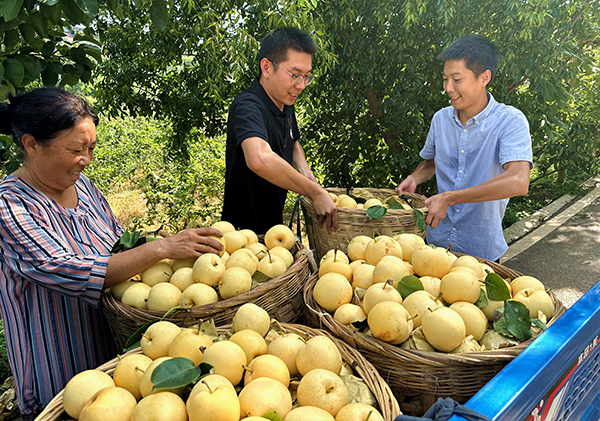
(326, 210)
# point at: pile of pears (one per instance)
(364, 199)
(418, 296)
(253, 371)
(244, 263)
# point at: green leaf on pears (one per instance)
(539, 324)
(482, 301)
(496, 288)
(421, 224)
(273, 416)
(394, 204)
(130, 240)
(376, 212)
(518, 320)
(409, 284)
(177, 372)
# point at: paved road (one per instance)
(564, 252)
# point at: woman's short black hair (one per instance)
(478, 53)
(275, 46)
(43, 113)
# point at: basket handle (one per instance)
(296, 211)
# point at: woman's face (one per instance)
(59, 165)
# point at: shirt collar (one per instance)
(258, 89)
(482, 115)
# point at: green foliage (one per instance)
(4, 367)
(37, 47)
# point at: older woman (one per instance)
(56, 232)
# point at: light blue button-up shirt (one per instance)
(466, 156)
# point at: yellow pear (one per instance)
(208, 269)
(147, 387)
(234, 240)
(349, 313)
(378, 293)
(177, 264)
(382, 246)
(335, 254)
(234, 281)
(118, 289)
(136, 295)
(157, 339)
(223, 226)
(111, 403)
(259, 250)
(220, 404)
(251, 237)
(337, 266)
(409, 244)
(312, 413)
(475, 320)
(431, 284)
(318, 352)
(358, 412)
(162, 406)
(323, 389)
(251, 316)
(163, 297)
(242, 258)
(346, 202)
(420, 303)
(444, 329)
(267, 365)
(183, 278)
(279, 235)
(81, 387)
(431, 261)
(251, 342)
(264, 395)
(208, 383)
(284, 254)
(197, 295)
(228, 359)
(332, 290)
(536, 300)
(358, 247)
(362, 275)
(286, 348)
(272, 266)
(470, 262)
(460, 286)
(129, 371)
(389, 322)
(526, 282)
(190, 343)
(159, 272)
(390, 268)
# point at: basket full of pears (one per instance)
(269, 271)
(434, 323)
(254, 368)
(365, 211)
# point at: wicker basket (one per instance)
(425, 375)
(387, 403)
(353, 222)
(281, 297)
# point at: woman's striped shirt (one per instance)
(52, 269)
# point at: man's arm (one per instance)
(514, 181)
(299, 160)
(424, 171)
(261, 159)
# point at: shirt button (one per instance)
(464, 130)
(457, 210)
(460, 171)
(462, 151)
(453, 229)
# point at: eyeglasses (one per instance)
(297, 79)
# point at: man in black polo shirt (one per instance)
(264, 158)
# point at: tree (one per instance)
(372, 111)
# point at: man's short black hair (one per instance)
(275, 45)
(478, 52)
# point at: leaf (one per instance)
(496, 288)
(376, 212)
(409, 284)
(9, 9)
(89, 7)
(11, 40)
(29, 64)
(518, 320)
(39, 23)
(539, 324)
(482, 301)
(260, 277)
(27, 32)
(14, 71)
(73, 12)
(421, 224)
(359, 199)
(394, 204)
(175, 372)
(49, 77)
(48, 49)
(159, 14)
(51, 12)
(273, 416)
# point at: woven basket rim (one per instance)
(300, 261)
(388, 405)
(426, 358)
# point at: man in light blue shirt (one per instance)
(480, 152)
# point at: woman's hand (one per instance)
(192, 242)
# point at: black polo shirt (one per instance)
(251, 201)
